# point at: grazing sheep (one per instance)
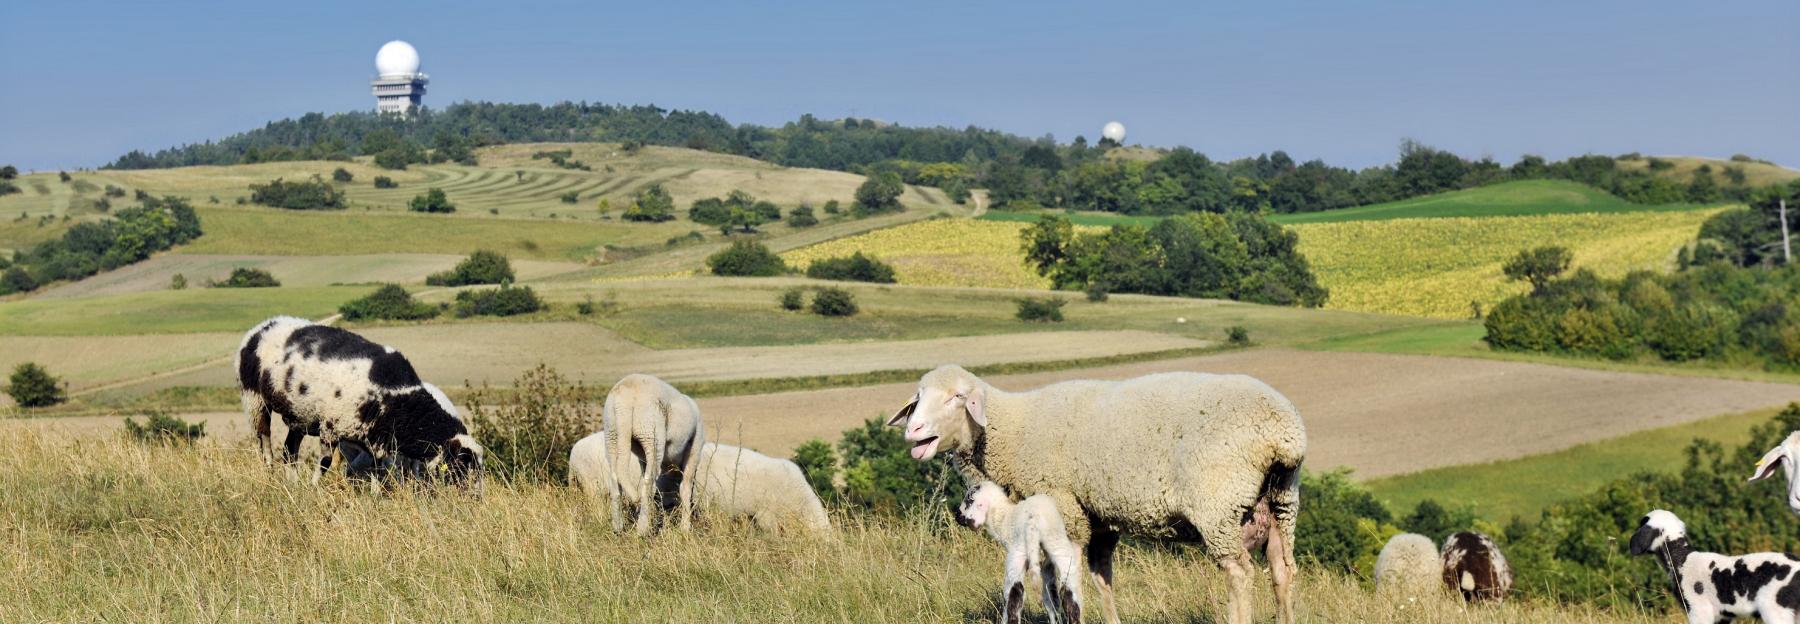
(734, 483)
(651, 429)
(1783, 455)
(1176, 456)
(1408, 563)
(1712, 587)
(355, 395)
(1474, 567)
(1034, 536)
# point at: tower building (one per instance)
(398, 85)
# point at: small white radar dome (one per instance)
(397, 58)
(1113, 130)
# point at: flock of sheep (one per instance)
(1057, 474)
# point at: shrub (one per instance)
(585, 307)
(178, 282)
(571, 197)
(1693, 331)
(1433, 519)
(393, 158)
(746, 259)
(1237, 335)
(432, 200)
(817, 461)
(390, 302)
(1046, 310)
(1595, 332)
(653, 204)
(33, 386)
(880, 475)
(341, 175)
(1538, 266)
(160, 428)
(1341, 526)
(9, 172)
(384, 182)
(113, 191)
(831, 207)
(313, 194)
(857, 268)
(802, 217)
(527, 430)
(503, 301)
(64, 176)
(684, 239)
(16, 280)
(481, 267)
(878, 194)
(793, 300)
(8, 188)
(245, 277)
(1519, 324)
(834, 302)
(1097, 292)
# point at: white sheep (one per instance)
(1475, 568)
(1182, 456)
(1408, 564)
(733, 482)
(1035, 538)
(1783, 456)
(357, 396)
(651, 430)
(1712, 587)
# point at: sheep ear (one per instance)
(976, 403)
(904, 413)
(1770, 460)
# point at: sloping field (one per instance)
(267, 231)
(1510, 199)
(193, 310)
(155, 273)
(1755, 173)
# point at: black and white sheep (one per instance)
(1175, 456)
(1783, 456)
(1474, 567)
(1035, 537)
(652, 430)
(1712, 587)
(356, 396)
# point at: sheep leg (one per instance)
(618, 447)
(1017, 565)
(260, 414)
(327, 448)
(1061, 571)
(1099, 553)
(1238, 572)
(686, 489)
(1776, 614)
(1280, 552)
(653, 464)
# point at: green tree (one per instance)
(802, 217)
(1538, 266)
(9, 172)
(390, 302)
(16, 280)
(880, 193)
(481, 267)
(834, 302)
(653, 204)
(341, 175)
(33, 386)
(432, 200)
(746, 259)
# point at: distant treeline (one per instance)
(91, 247)
(1019, 172)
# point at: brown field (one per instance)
(155, 273)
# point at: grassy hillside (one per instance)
(267, 231)
(210, 534)
(1755, 173)
(1510, 199)
(169, 311)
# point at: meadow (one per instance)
(1509, 199)
(209, 534)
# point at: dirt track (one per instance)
(1378, 414)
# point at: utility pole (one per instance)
(1787, 252)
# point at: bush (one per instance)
(585, 307)
(527, 430)
(746, 259)
(33, 386)
(653, 204)
(1538, 266)
(1237, 335)
(1693, 331)
(793, 300)
(880, 474)
(16, 280)
(1431, 519)
(856, 268)
(245, 277)
(834, 302)
(684, 239)
(481, 267)
(1047, 310)
(341, 175)
(571, 197)
(394, 158)
(159, 428)
(1097, 292)
(432, 201)
(178, 282)
(878, 194)
(1341, 525)
(831, 207)
(390, 302)
(313, 194)
(817, 461)
(503, 301)
(8, 188)
(9, 172)
(64, 176)
(113, 191)
(802, 217)
(384, 182)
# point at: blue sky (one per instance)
(1344, 81)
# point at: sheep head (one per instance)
(1782, 456)
(461, 462)
(947, 413)
(981, 500)
(1655, 531)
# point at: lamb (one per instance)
(1712, 587)
(1409, 564)
(1783, 456)
(1474, 567)
(651, 430)
(1177, 456)
(1035, 537)
(734, 483)
(353, 394)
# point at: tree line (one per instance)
(91, 247)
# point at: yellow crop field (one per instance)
(1439, 267)
(938, 252)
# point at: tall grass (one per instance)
(99, 529)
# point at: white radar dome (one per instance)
(1113, 130)
(397, 58)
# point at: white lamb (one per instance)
(652, 430)
(1035, 537)
(1408, 564)
(733, 482)
(1176, 456)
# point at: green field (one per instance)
(1523, 487)
(268, 231)
(1509, 199)
(169, 311)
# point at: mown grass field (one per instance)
(1497, 491)
(267, 231)
(1755, 173)
(1510, 199)
(100, 528)
(169, 311)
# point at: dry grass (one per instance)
(1755, 174)
(100, 529)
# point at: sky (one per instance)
(82, 82)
